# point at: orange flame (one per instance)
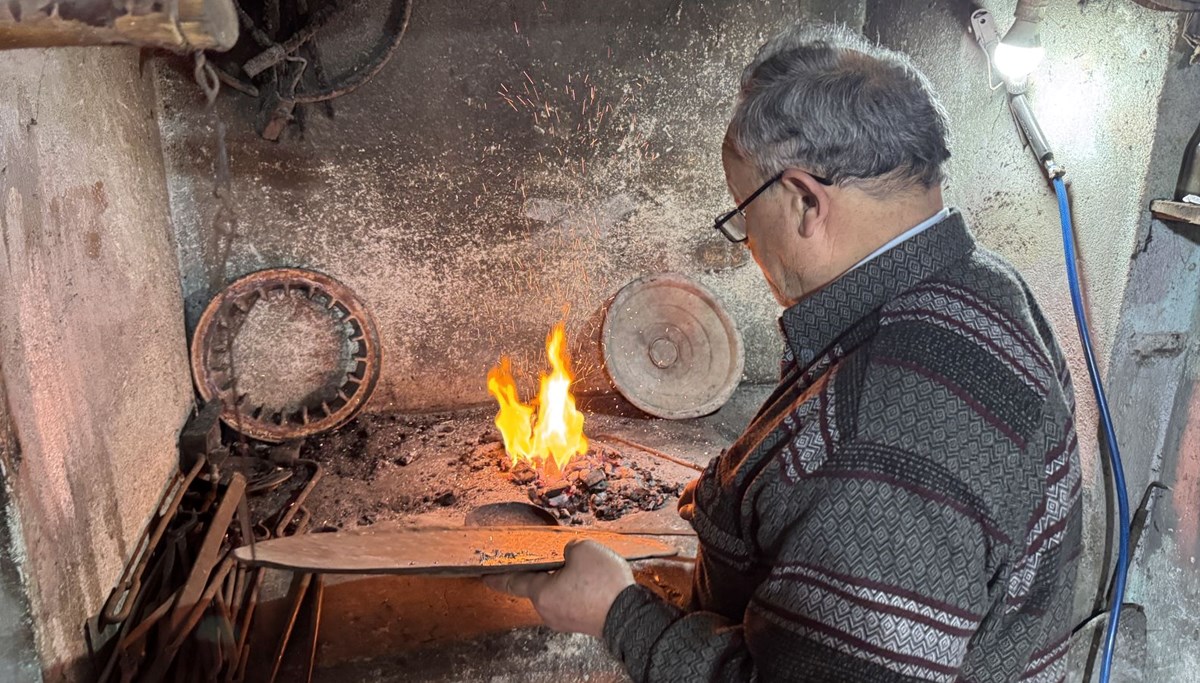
(556, 436)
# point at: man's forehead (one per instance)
(727, 147)
(730, 153)
(738, 171)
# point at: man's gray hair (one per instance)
(824, 99)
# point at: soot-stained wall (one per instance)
(513, 160)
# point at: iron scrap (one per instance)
(182, 603)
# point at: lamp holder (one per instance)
(984, 28)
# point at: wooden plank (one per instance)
(193, 25)
(1179, 212)
(466, 551)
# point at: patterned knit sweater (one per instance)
(904, 507)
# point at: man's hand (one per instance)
(577, 597)
(687, 500)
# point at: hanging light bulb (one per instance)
(1020, 52)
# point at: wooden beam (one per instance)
(1178, 212)
(178, 25)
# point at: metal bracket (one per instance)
(984, 28)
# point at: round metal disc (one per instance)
(669, 347)
(289, 353)
(510, 513)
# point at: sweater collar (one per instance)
(817, 321)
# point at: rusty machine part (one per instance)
(279, 62)
(670, 349)
(217, 371)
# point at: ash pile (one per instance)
(603, 484)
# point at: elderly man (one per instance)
(905, 505)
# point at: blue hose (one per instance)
(1118, 589)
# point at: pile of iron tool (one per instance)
(183, 608)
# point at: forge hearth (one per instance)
(439, 467)
(384, 471)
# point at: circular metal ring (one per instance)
(670, 348)
(351, 383)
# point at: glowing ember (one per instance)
(548, 432)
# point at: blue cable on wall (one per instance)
(1118, 587)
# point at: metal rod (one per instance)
(130, 583)
(318, 589)
(237, 668)
(653, 532)
(147, 623)
(1029, 126)
(293, 506)
(299, 588)
(652, 451)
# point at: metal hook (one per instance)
(206, 77)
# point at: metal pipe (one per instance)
(1023, 114)
(652, 451)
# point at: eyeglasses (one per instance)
(732, 224)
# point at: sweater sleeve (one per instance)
(888, 590)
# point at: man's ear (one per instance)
(809, 201)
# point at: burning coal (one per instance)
(547, 432)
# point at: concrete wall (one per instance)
(468, 226)
(1154, 374)
(92, 344)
